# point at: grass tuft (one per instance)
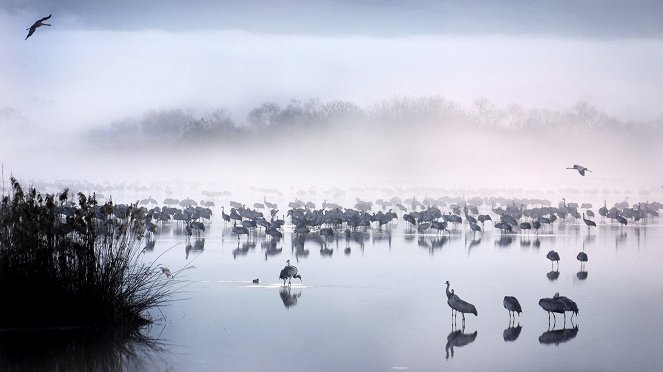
(67, 261)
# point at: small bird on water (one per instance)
(166, 272)
(39, 23)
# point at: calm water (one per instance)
(376, 302)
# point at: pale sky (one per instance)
(105, 60)
(123, 57)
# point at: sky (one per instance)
(102, 61)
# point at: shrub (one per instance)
(74, 264)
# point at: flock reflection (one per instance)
(460, 338)
(558, 336)
(303, 245)
(197, 247)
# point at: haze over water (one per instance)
(378, 98)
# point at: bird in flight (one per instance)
(579, 168)
(39, 23)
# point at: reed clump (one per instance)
(66, 262)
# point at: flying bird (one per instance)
(39, 23)
(579, 168)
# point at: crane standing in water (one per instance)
(289, 272)
(511, 303)
(455, 303)
(589, 223)
(552, 305)
(553, 256)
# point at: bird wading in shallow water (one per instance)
(553, 256)
(511, 303)
(289, 272)
(455, 303)
(551, 305)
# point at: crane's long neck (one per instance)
(448, 293)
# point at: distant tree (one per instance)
(213, 125)
(166, 124)
(264, 116)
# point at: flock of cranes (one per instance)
(421, 217)
(556, 304)
(427, 217)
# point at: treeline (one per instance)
(271, 118)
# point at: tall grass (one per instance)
(70, 262)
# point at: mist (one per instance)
(522, 106)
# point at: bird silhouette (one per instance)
(447, 291)
(553, 256)
(39, 23)
(166, 272)
(240, 230)
(289, 272)
(569, 305)
(511, 303)
(579, 168)
(589, 223)
(582, 257)
(461, 306)
(552, 305)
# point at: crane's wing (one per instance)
(45, 18)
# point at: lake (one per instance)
(375, 301)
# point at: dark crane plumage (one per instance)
(551, 305)
(582, 257)
(580, 169)
(589, 223)
(461, 306)
(511, 303)
(289, 272)
(39, 23)
(569, 305)
(553, 256)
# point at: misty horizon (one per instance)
(524, 90)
